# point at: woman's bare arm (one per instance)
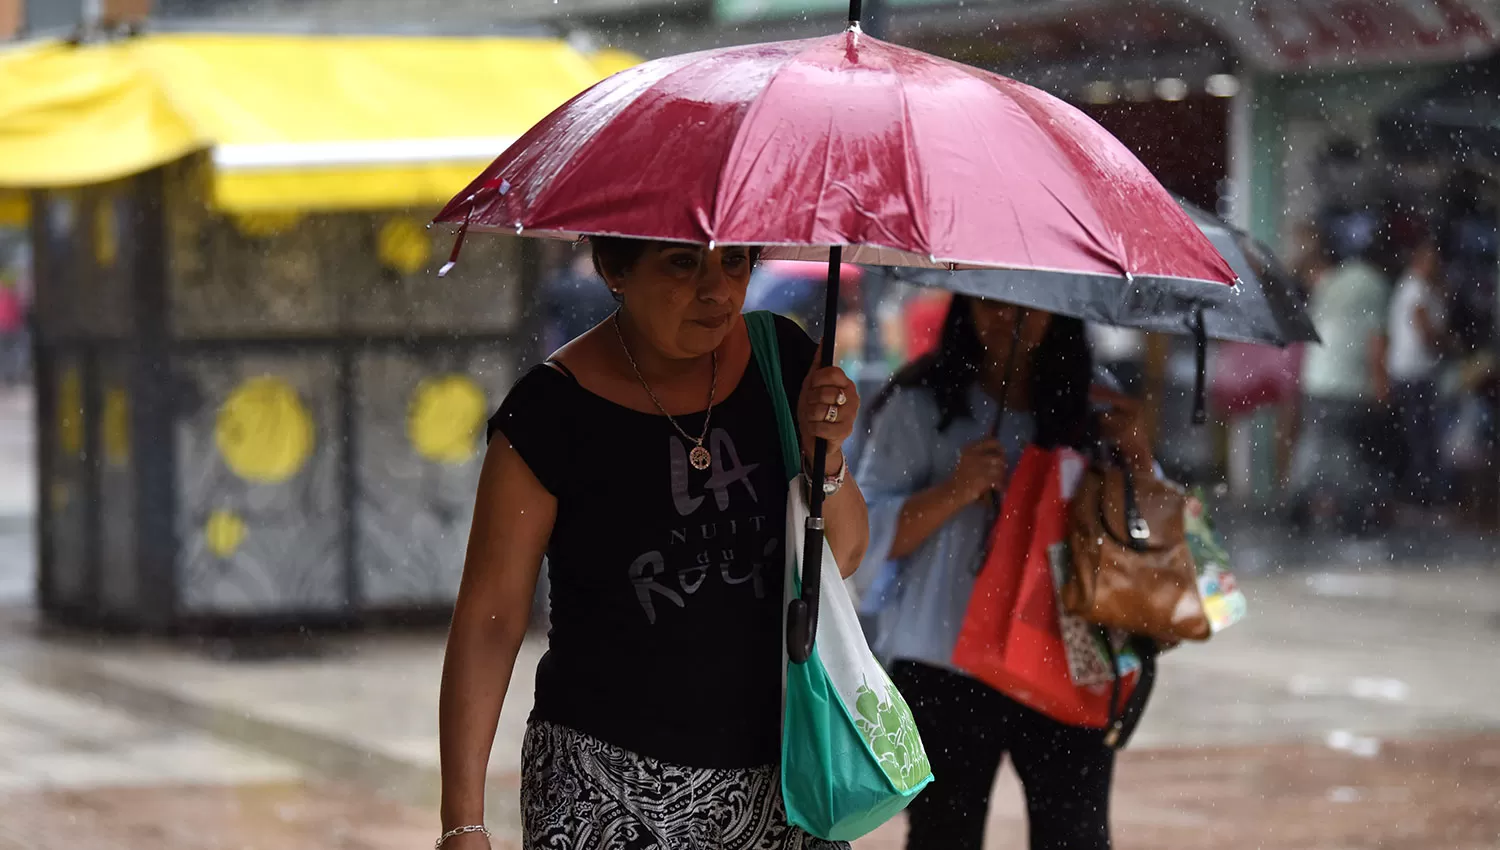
(513, 516)
(847, 518)
(924, 514)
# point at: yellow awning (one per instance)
(293, 122)
(610, 61)
(71, 116)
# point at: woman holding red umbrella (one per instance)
(946, 433)
(835, 149)
(643, 461)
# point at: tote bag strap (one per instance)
(763, 344)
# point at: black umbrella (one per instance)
(1457, 116)
(1267, 307)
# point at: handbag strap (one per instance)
(767, 353)
(1137, 530)
(1123, 719)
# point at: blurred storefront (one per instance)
(1312, 169)
(1327, 88)
(256, 402)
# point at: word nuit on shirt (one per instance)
(710, 530)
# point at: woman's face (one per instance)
(685, 299)
(995, 325)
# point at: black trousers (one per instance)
(967, 728)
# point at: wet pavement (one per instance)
(280, 816)
(1412, 796)
(1350, 711)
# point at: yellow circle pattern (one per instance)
(264, 432)
(403, 246)
(106, 234)
(116, 426)
(224, 532)
(264, 225)
(445, 418)
(70, 412)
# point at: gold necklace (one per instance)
(699, 456)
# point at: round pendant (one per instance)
(699, 458)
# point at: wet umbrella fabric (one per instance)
(846, 148)
(1268, 308)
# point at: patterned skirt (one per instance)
(579, 793)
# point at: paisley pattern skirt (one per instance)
(579, 793)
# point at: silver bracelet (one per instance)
(462, 830)
(831, 483)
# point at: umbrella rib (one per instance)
(1109, 249)
(915, 178)
(730, 153)
(585, 150)
(999, 166)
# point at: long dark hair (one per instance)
(1061, 373)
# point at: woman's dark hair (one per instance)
(617, 255)
(1061, 373)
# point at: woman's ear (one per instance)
(613, 282)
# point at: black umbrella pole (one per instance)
(1200, 362)
(802, 613)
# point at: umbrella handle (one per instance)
(1200, 363)
(802, 613)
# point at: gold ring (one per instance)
(832, 415)
(843, 399)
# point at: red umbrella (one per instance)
(846, 148)
(900, 157)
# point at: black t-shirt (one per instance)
(666, 581)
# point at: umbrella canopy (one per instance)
(847, 148)
(1270, 308)
(1267, 309)
(897, 157)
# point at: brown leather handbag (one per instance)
(1132, 569)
